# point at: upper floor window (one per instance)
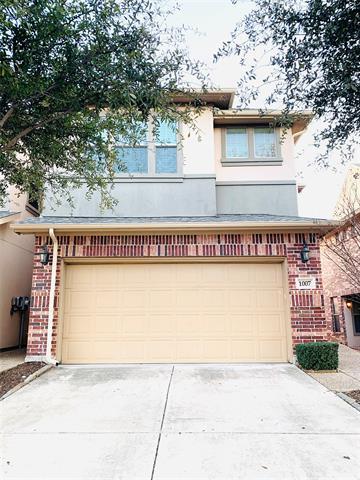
(237, 143)
(251, 144)
(33, 203)
(166, 149)
(156, 152)
(264, 142)
(134, 159)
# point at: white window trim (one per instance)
(151, 145)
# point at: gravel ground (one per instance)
(12, 377)
(355, 394)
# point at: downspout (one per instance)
(52, 298)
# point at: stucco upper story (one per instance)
(234, 162)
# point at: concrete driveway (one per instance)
(178, 422)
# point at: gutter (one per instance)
(317, 225)
(48, 358)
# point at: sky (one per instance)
(213, 21)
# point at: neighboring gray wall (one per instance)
(188, 196)
(275, 198)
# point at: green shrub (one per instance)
(318, 355)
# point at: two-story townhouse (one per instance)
(204, 259)
(16, 263)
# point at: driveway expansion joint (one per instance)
(162, 423)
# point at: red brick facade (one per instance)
(337, 285)
(307, 306)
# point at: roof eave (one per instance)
(221, 113)
(320, 226)
(221, 99)
(232, 117)
(9, 218)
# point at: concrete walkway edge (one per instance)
(27, 380)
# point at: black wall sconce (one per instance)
(305, 253)
(44, 255)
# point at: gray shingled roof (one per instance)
(6, 213)
(146, 220)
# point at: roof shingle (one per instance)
(146, 220)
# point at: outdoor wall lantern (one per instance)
(44, 255)
(349, 303)
(305, 253)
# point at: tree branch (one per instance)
(6, 117)
(11, 144)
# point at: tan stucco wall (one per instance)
(16, 259)
(202, 152)
(14, 202)
(198, 145)
(286, 171)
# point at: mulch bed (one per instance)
(12, 377)
(355, 394)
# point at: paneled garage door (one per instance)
(174, 312)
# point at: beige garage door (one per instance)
(187, 312)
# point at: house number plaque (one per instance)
(305, 283)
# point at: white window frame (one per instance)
(151, 144)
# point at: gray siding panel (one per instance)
(253, 198)
(182, 197)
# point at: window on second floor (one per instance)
(134, 159)
(156, 152)
(251, 144)
(166, 149)
(264, 143)
(237, 143)
(33, 204)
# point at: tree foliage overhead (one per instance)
(303, 54)
(63, 63)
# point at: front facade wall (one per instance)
(169, 197)
(144, 197)
(277, 198)
(306, 306)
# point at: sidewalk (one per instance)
(348, 376)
